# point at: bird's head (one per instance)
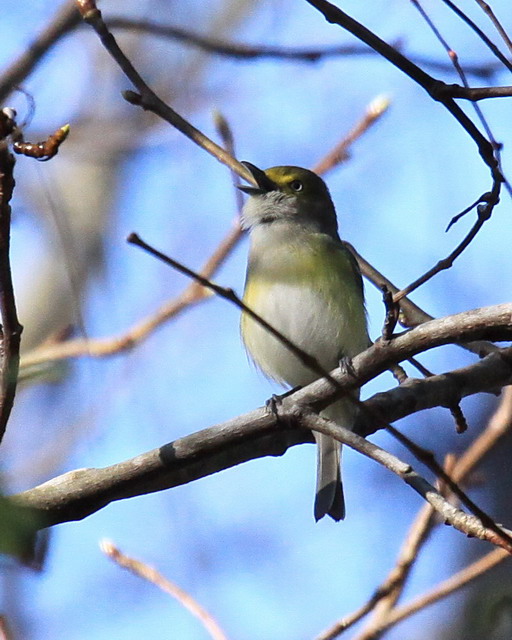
(289, 194)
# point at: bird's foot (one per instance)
(346, 366)
(275, 400)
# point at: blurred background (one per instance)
(242, 542)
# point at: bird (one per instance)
(305, 282)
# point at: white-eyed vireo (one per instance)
(304, 282)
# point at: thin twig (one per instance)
(348, 621)
(293, 54)
(388, 592)
(147, 98)
(66, 19)
(151, 575)
(497, 24)
(10, 332)
(443, 589)
(411, 315)
(375, 110)
(446, 263)
(469, 524)
(499, 425)
(228, 141)
(452, 55)
(481, 34)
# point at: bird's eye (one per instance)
(296, 185)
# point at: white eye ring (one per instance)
(296, 185)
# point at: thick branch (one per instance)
(477, 93)
(79, 493)
(442, 390)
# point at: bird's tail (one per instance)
(329, 489)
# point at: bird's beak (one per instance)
(265, 184)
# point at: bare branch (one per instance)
(77, 494)
(477, 93)
(452, 55)
(103, 347)
(147, 99)
(483, 36)
(439, 390)
(433, 87)
(445, 588)
(293, 54)
(446, 263)
(387, 594)
(390, 590)
(66, 19)
(411, 315)
(497, 24)
(10, 331)
(375, 110)
(151, 575)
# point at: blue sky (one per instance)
(243, 542)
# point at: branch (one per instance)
(443, 589)
(142, 570)
(477, 93)
(434, 88)
(446, 263)
(147, 99)
(387, 593)
(77, 494)
(10, 331)
(411, 315)
(497, 427)
(340, 153)
(102, 347)
(497, 24)
(480, 526)
(66, 19)
(441, 390)
(481, 34)
(240, 51)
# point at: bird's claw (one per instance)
(346, 366)
(275, 400)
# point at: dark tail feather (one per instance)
(329, 498)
